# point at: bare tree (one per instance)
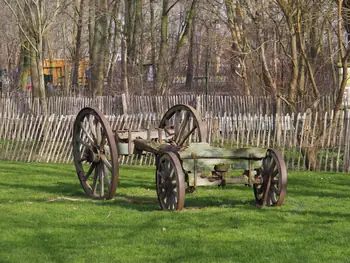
(34, 19)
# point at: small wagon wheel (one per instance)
(170, 182)
(95, 154)
(183, 124)
(274, 173)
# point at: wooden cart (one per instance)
(184, 160)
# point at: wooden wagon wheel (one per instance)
(183, 124)
(170, 182)
(95, 154)
(274, 173)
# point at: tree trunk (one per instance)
(65, 67)
(24, 67)
(99, 47)
(111, 67)
(76, 53)
(40, 70)
(91, 42)
(34, 73)
(163, 48)
(124, 65)
(190, 59)
(153, 45)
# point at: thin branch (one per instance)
(167, 11)
(20, 26)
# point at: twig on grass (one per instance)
(58, 198)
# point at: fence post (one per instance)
(198, 104)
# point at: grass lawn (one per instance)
(38, 225)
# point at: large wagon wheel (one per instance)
(95, 154)
(274, 173)
(182, 123)
(170, 182)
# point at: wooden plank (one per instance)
(286, 121)
(329, 139)
(28, 135)
(333, 141)
(3, 131)
(301, 140)
(346, 158)
(340, 137)
(295, 139)
(62, 137)
(68, 147)
(37, 134)
(8, 127)
(53, 146)
(312, 140)
(16, 123)
(47, 131)
(324, 135)
(20, 137)
(308, 125)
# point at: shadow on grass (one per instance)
(59, 188)
(147, 204)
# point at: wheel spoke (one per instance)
(272, 166)
(85, 144)
(94, 184)
(103, 141)
(172, 200)
(274, 173)
(182, 128)
(106, 175)
(91, 168)
(102, 189)
(98, 134)
(106, 162)
(161, 174)
(168, 131)
(101, 181)
(161, 185)
(275, 189)
(91, 140)
(92, 126)
(273, 198)
(165, 168)
(174, 183)
(177, 119)
(185, 137)
(162, 194)
(172, 172)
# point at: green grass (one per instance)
(217, 225)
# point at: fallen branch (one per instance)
(66, 199)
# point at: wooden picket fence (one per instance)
(32, 138)
(117, 105)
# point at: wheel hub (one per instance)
(92, 156)
(169, 185)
